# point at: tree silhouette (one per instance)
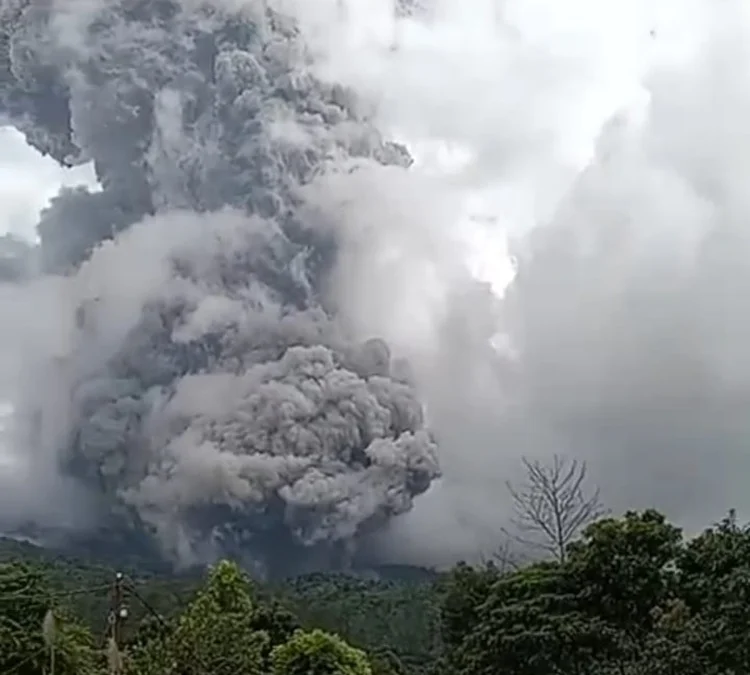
(553, 505)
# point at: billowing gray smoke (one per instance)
(198, 382)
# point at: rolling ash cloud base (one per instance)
(194, 379)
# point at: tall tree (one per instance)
(624, 573)
(608, 609)
(553, 505)
(714, 583)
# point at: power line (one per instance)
(148, 607)
(9, 597)
(22, 663)
(160, 619)
(117, 614)
(22, 594)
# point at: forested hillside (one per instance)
(631, 596)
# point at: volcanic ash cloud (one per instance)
(193, 376)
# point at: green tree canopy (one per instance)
(318, 653)
(25, 601)
(630, 598)
(215, 635)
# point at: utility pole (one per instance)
(116, 607)
(118, 612)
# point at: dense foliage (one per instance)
(631, 596)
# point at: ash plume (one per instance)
(196, 382)
(251, 223)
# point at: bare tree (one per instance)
(504, 557)
(553, 505)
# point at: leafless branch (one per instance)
(505, 557)
(553, 505)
